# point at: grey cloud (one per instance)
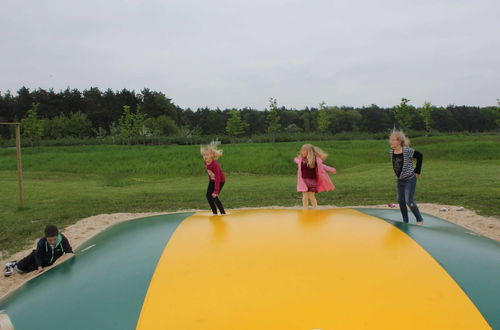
(239, 53)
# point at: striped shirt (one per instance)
(405, 170)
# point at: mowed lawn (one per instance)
(64, 184)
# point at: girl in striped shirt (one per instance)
(406, 174)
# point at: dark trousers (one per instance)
(215, 202)
(28, 263)
(406, 190)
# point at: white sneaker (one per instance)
(7, 271)
(11, 264)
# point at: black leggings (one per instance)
(215, 202)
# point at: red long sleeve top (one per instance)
(219, 175)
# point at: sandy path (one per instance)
(88, 227)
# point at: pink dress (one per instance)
(309, 176)
(323, 181)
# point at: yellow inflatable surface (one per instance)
(301, 269)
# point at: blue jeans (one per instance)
(406, 190)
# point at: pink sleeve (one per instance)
(297, 160)
(330, 169)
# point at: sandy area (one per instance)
(88, 227)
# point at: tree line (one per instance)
(136, 117)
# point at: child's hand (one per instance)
(417, 175)
(63, 258)
(39, 270)
(214, 195)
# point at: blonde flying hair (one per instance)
(212, 148)
(401, 137)
(312, 153)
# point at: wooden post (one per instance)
(19, 165)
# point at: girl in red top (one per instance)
(312, 174)
(216, 178)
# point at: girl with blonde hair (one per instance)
(406, 174)
(312, 174)
(216, 177)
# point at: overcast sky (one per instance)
(237, 53)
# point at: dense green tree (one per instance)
(293, 128)
(73, 125)
(273, 119)
(235, 126)
(337, 122)
(324, 118)
(57, 109)
(256, 121)
(31, 126)
(132, 125)
(353, 120)
(443, 120)
(166, 126)
(211, 122)
(403, 114)
(24, 101)
(155, 104)
(375, 119)
(426, 114)
(288, 117)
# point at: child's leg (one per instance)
(27, 264)
(305, 200)
(218, 202)
(409, 192)
(210, 199)
(402, 200)
(312, 198)
(219, 205)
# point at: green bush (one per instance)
(75, 125)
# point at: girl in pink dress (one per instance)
(312, 174)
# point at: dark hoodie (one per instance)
(45, 255)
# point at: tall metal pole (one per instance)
(19, 165)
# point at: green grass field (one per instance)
(64, 184)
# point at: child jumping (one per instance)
(216, 178)
(49, 248)
(312, 176)
(406, 175)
